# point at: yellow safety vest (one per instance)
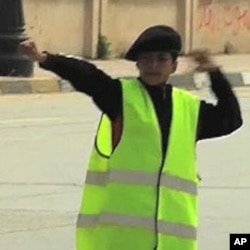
(134, 197)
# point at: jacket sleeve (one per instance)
(87, 78)
(224, 117)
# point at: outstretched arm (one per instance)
(84, 77)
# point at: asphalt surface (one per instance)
(45, 143)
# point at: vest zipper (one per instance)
(159, 175)
(157, 203)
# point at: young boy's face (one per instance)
(155, 67)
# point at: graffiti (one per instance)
(215, 18)
(237, 18)
(207, 18)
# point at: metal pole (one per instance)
(12, 63)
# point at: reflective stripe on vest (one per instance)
(175, 229)
(141, 178)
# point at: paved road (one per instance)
(45, 143)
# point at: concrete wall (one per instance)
(221, 22)
(73, 26)
(56, 25)
(125, 19)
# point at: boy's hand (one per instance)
(203, 60)
(29, 49)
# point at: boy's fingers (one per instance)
(24, 48)
(28, 43)
(199, 51)
(201, 56)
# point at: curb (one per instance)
(23, 85)
(43, 85)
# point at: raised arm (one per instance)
(224, 117)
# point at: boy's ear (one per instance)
(174, 66)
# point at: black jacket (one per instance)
(214, 120)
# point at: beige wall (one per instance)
(217, 22)
(125, 19)
(73, 26)
(56, 25)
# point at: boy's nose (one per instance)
(154, 62)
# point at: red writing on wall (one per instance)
(215, 17)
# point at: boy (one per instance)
(141, 187)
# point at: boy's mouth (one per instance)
(153, 73)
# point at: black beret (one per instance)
(155, 38)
